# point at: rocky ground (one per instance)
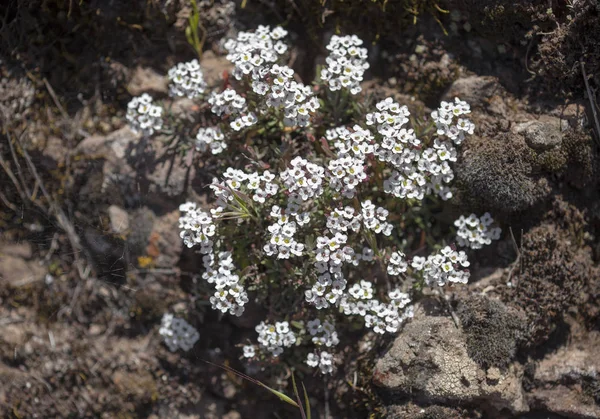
(90, 255)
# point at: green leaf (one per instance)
(307, 402)
(188, 35)
(302, 413)
(282, 396)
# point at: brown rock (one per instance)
(562, 378)
(213, 67)
(563, 401)
(21, 250)
(164, 242)
(18, 272)
(146, 80)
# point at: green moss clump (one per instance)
(493, 330)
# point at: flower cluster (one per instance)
(398, 264)
(417, 171)
(475, 232)
(275, 337)
(283, 92)
(346, 63)
(374, 218)
(258, 186)
(321, 224)
(322, 333)
(197, 227)
(253, 53)
(381, 317)
(144, 117)
(230, 296)
(255, 57)
(303, 179)
(444, 118)
(186, 79)
(229, 102)
(282, 242)
(443, 267)
(344, 219)
(349, 168)
(212, 139)
(177, 333)
(323, 360)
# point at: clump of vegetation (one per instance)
(493, 331)
(499, 176)
(315, 218)
(440, 412)
(554, 270)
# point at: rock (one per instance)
(429, 361)
(119, 219)
(563, 377)
(100, 145)
(142, 225)
(232, 414)
(21, 249)
(54, 153)
(17, 271)
(146, 80)
(213, 67)
(165, 244)
(142, 170)
(208, 407)
(477, 91)
(571, 362)
(539, 135)
(169, 175)
(563, 401)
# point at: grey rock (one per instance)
(539, 135)
(475, 90)
(429, 361)
(142, 170)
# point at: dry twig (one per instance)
(590, 97)
(54, 209)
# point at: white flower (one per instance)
(312, 360)
(249, 351)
